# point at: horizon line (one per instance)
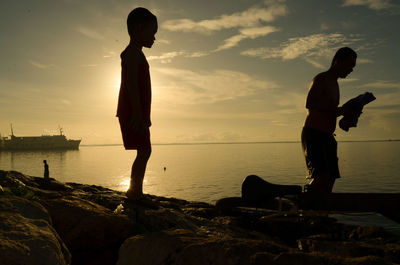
(246, 142)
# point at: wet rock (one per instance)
(26, 235)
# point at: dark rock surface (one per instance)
(99, 226)
(27, 236)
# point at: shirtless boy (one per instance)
(134, 102)
(318, 141)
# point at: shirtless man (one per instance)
(318, 141)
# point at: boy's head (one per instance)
(344, 61)
(142, 26)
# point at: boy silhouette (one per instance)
(134, 101)
(317, 137)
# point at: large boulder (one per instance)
(26, 235)
(184, 247)
(92, 232)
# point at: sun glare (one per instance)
(117, 84)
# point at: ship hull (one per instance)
(39, 143)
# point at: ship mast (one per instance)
(12, 131)
(60, 129)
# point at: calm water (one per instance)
(207, 172)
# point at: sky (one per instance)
(221, 71)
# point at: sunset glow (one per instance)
(221, 71)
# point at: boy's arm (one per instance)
(132, 83)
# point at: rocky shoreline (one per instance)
(49, 222)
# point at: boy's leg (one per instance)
(322, 183)
(137, 175)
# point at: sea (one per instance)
(208, 172)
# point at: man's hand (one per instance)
(346, 110)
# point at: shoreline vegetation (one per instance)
(262, 142)
(49, 222)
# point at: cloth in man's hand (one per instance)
(356, 106)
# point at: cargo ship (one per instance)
(44, 142)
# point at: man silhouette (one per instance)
(318, 141)
(46, 173)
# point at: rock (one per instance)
(262, 258)
(92, 232)
(344, 249)
(159, 230)
(207, 213)
(297, 258)
(26, 235)
(165, 218)
(184, 247)
(97, 194)
(14, 178)
(366, 232)
(292, 227)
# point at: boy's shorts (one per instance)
(133, 140)
(320, 151)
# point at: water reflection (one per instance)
(192, 173)
(31, 162)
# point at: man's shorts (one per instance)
(320, 151)
(133, 140)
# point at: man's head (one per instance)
(142, 26)
(344, 61)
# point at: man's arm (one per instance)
(321, 98)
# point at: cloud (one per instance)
(315, 63)
(163, 41)
(109, 54)
(382, 84)
(41, 65)
(324, 26)
(310, 48)
(188, 87)
(65, 102)
(168, 56)
(362, 60)
(316, 44)
(247, 33)
(251, 17)
(88, 65)
(348, 80)
(89, 33)
(372, 4)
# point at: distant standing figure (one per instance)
(317, 137)
(165, 168)
(134, 101)
(46, 173)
